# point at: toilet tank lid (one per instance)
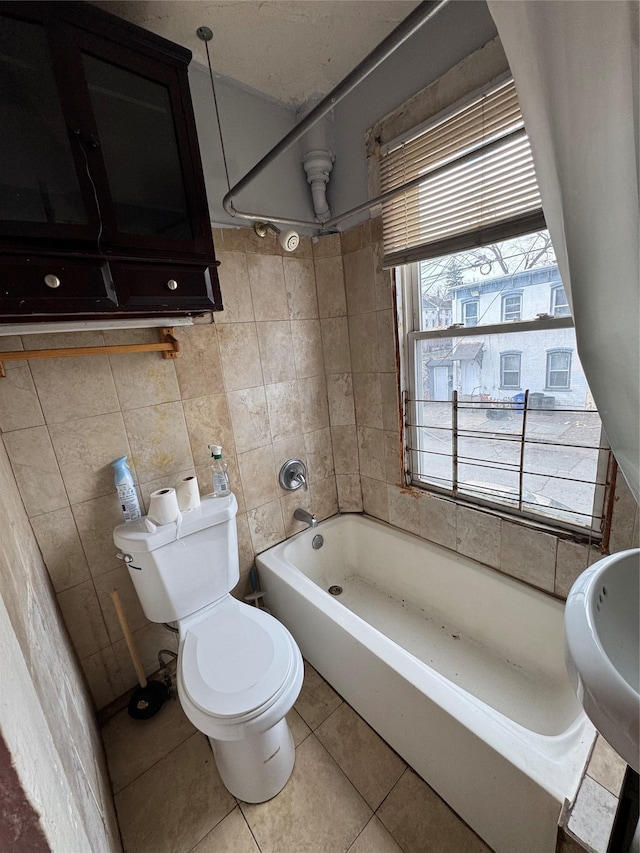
(134, 537)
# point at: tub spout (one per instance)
(303, 515)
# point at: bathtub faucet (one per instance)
(303, 515)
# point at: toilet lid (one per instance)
(235, 659)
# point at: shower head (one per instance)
(289, 240)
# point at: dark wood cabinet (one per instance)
(103, 209)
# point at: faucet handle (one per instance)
(301, 479)
(293, 474)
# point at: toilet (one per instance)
(239, 669)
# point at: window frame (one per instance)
(464, 306)
(510, 354)
(548, 370)
(505, 297)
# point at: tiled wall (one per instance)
(254, 381)
(539, 558)
(46, 718)
(301, 363)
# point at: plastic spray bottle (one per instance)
(220, 472)
(126, 489)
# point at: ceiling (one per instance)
(289, 50)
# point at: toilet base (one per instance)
(256, 769)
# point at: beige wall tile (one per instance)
(572, 558)
(268, 292)
(344, 441)
(314, 408)
(349, 492)
(289, 503)
(363, 338)
(208, 422)
(236, 291)
(478, 535)
(198, 366)
(319, 455)
(243, 239)
(307, 348)
(95, 521)
(10, 343)
(624, 514)
(276, 351)
(335, 344)
(240, 356)
(144, 378)
(266, 526)
(103, 677)
(390, 401)
(438, 521)
(119, 580)
(300, 283)
(341, 402)
(83, 618)
(159, 440)
(606, 766)
(324, 498)
(55, 340)
(371, 453)
(74, 387)
(355, 238)
(249, 418)
(359, 281)
(148, 641)
(393, 459)
(404, 508)
(85, 449)
(326, 246)
(528, 555)
(284, 410)
(19, 404)
(61, 548)
(245, 546)
(368, 399)
(383, 278)
(258, 476)
(36, 470)
(386, 341)
(332, 300)
(374, 498)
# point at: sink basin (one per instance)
(602, 631)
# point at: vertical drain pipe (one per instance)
(317, 160)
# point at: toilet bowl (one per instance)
(239, 669)
(239, 673)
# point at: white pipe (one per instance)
(318, 165)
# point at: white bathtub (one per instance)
(458, 667)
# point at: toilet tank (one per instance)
(181, 567)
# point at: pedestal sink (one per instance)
(602, 630)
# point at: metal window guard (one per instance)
(169, 346)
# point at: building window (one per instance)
(559, 370)
(490, 364)
(470, 312)
(510, 370)
(511, 307)
(559, 303)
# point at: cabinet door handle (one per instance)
(52, 281)
(172, 284)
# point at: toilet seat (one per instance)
(236, 661)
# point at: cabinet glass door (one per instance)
(38, 179)
(139, 148)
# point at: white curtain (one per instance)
(575, 65)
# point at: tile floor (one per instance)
(348, 791)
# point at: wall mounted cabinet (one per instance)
(103, 209)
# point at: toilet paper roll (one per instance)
(188, 494)
(163, 506)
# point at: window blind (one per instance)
(485, 187)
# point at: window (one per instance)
(510, 370)
(470, 313)
(480, 423)
(559, 303)
(559, 370)
(511, 307)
